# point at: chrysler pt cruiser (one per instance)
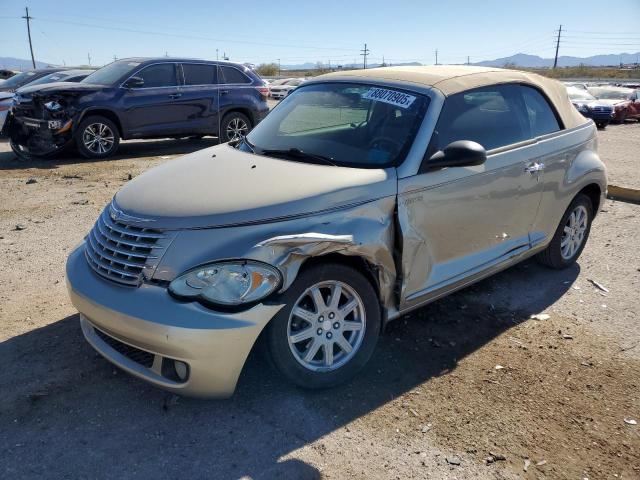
(362, 196)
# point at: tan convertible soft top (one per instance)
(451, 79)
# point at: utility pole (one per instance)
(115, 58)
(217, 54)
(555, 60)
(436, 56)
(28, 19)
(279, 67)
(365, 51)
(89, 58)
(468, 62)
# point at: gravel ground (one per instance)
(432, 403)
(619, 147)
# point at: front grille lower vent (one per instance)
(132, 353)
(121, 252)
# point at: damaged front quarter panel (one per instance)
(366, 231)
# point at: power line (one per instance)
(192, 37)
(28, 18)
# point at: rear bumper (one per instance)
(214, 345)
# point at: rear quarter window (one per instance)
(233, 75)
(542, 117)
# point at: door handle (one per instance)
(175, 95)
(536, 167)
(224, 92)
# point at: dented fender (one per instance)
(366, 231)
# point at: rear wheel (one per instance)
(97, 137)
(234, 126)
(571, 235)
(601, 125)
(328, 329)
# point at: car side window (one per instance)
(159, 75)
(491, 116)
(233, 75)
(199, 74)
(541, 116)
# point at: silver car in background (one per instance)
(362, 196)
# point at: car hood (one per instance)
(5, 95)
(59, 88)
(604, 101)
(222, 186)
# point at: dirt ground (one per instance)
(469, 387)
(619, 147)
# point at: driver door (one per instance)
(458, 223)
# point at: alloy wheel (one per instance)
(326, 326)
(236, 129)
(574, 232)
(98, 138)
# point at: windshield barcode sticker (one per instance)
(392, 97)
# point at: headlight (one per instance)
(228, 283)
(53, 106)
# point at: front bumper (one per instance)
(214, 345)
(281, 94)
(599, 116)
(39, 137)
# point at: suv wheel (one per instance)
(17, 150)
(97, 137)
(234, 126)
(571, 235)
(328, 329)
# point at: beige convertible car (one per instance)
(362, 196)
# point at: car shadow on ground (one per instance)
(131, 149)
(66, 412)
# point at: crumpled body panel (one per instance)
(365, 230)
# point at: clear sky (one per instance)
(67, 31)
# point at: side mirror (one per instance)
(461, 153)
(134, 82)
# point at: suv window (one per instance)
(160, 75)
(199, 74)
(541, 116)
(233, 75)
(491, 116)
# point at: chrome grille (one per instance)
(122, 252)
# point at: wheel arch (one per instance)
(244, 110)
(104, 112)
(594, 193)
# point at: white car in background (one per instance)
(6, 100)
(283, 89)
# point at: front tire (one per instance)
(97, 137)
(328, 329)
(234, 126)
(571, 235)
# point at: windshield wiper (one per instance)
(297, 153)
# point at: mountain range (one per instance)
(519, 60)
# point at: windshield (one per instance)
(610, 94)
(112, 73)
(348, 124)
(19, 80)
(579, 94)
(52, 77)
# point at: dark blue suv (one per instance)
(138, 98)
